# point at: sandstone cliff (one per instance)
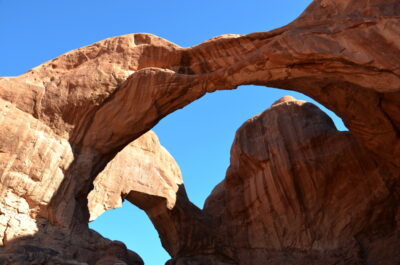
(65, 120)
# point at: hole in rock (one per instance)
(131, 225)
(199, 137)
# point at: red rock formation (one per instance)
(63, 121)
(300, 192)
(143, 168)
(297, 192)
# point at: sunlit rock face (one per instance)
(62, 122)
(142, 168)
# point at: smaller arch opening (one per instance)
(130, 225)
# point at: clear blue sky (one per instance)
(198, 136)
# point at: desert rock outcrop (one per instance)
(297, 192)
(300, 192)
(62, 122)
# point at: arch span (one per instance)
(92, 102)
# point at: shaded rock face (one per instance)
(300, 192)
(296, 190)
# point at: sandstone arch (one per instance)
(65, 120)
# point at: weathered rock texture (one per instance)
(300, 192)
(143, 172)
(297, 192)
(63, 121)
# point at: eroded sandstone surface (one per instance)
(300, 192)
(143, 172)
(296, 191)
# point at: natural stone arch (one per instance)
(323, 54)
(94, 101)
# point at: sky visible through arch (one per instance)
(198, 136)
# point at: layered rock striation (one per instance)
(310, 193)
(298, 191)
